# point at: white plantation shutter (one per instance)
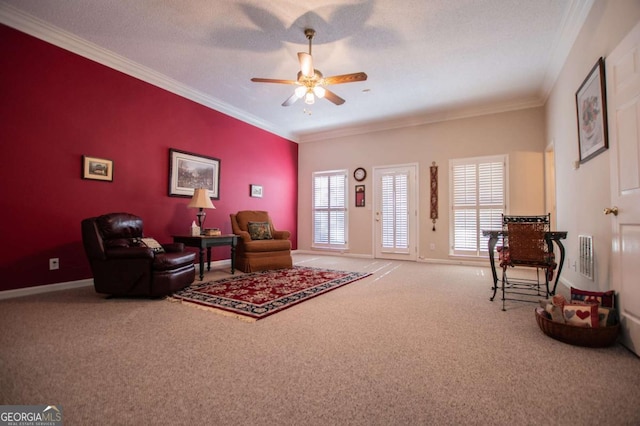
(330, 209)
(395, 212)
(478, 201)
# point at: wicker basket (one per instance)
(599, 337)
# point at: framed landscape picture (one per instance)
(188, 171)
(591, 105)
(97, 168)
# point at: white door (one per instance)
(396, 212)
(623, 103)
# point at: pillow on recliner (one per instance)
(259, 230)
(150, 243)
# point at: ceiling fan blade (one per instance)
(291, 100)
(345, 78)
(306, 64)
(332, 97)
(273, 80)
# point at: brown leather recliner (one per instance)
(124, 265)
(271, 251)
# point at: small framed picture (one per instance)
(97, 168)
(256, 191)
(591, 105)
(359, 195)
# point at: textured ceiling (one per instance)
(426, 60)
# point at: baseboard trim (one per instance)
(483, 263)
(478, 263)
(332, 253)
(214, 264)
(28, 291)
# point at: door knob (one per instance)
(613, 210)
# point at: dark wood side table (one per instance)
(202, 241)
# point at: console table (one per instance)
(202, 241)
(551, 237)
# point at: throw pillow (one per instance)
(581, 315)
(602, 298)
(556, 312)
(152, 244)
(259, 230)
(607, 317)
(553, 307)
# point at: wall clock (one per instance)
(359, 174)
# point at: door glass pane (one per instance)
(395, 211)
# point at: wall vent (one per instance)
(586, 255)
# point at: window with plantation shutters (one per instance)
(477, 202)
(330, 209)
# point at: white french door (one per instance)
(396, 212)
(623, 102)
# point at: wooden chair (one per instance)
(525, 244)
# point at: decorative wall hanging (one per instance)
(97, 168)
(189, 171)
(434, 194)
(256, 191)
(591, 105)
(359, 195)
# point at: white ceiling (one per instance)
(427, 60)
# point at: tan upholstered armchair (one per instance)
(260, 246)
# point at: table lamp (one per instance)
(200, 200)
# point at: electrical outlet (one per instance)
(432, 246)
(54, 263)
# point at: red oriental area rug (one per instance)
(257, 295)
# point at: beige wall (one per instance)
(582, 194)
(521, 134)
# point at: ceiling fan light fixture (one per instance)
(309, 99)
(300, 91)
(310, 81)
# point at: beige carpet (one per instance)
(411, 344)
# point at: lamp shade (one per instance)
(200, 200)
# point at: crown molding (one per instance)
(417, 120)
(571, 26)
(42, 30)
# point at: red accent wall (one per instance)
(56, 106)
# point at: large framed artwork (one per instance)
(188, 171)
(591, 105)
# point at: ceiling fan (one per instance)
(310, 82)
